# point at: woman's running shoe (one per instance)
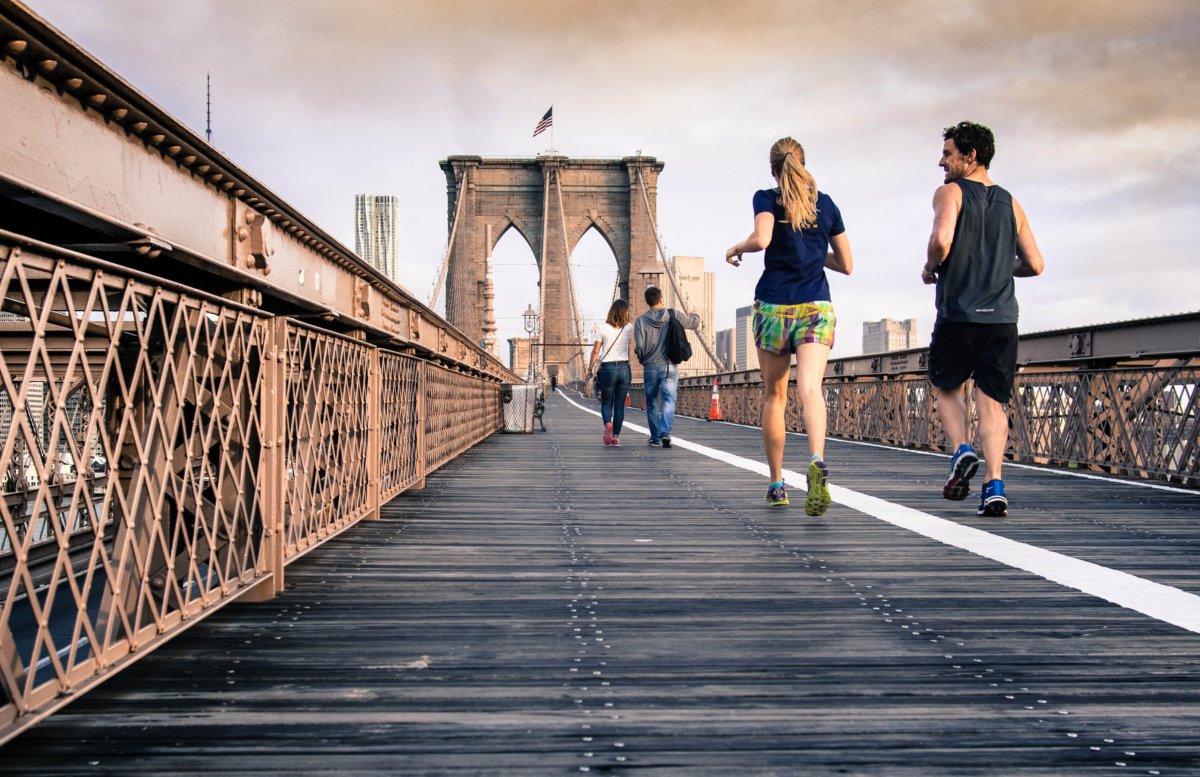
(817, 501)
(777, 494)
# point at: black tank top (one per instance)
(975, 283)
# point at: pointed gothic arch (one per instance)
(552, 201)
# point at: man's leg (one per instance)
(993, 433)
(952, 409)
(964, 462)
(776, 369)
(652, 380)
(993, 387)
(670, 389)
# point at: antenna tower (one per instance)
(208, 107)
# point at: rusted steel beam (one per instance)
(81, 144)
(229, 437)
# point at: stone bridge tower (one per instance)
(552, 201)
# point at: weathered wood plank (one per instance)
(548, 605)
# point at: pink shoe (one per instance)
(608, 438)
(616, 443)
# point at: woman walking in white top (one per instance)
(614, 376)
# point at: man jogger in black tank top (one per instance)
(981, 240)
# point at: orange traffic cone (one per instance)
(714, 407)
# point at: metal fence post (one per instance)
(374, 436)
(273, 467)
(422, 452)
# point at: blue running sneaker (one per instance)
(818, 500)
(777, 494)
(962, 468)
(992, 501)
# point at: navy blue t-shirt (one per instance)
(794, 266)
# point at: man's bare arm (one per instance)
(947, 201)
(1029, 256)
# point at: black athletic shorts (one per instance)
(987, 352)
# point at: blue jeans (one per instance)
(662, 384)
(614, 379)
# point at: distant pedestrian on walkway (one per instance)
(802, 231)
(981, 240)
(660, 377)
(614, 375)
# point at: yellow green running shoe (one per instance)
(817, 501)
(776, 494)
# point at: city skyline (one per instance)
(1094, 105)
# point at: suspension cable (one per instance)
(675, 285)
(570, 272)
(437, 287)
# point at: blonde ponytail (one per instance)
(797, 187)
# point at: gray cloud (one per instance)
(1095, 104)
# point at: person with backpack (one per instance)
(656, 335)
(802, 232)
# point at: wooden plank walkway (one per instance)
(551, 606)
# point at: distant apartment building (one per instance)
(743, 339)
(375, 232)
(697, 294)
(888, 335)
(725, 350)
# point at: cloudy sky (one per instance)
(1095, 105)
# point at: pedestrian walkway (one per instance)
(549, 605)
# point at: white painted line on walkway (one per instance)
(1044, 470)
(1161, 602)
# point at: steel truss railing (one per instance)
(1141, 422)
(165, 452)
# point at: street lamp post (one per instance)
(649, 273)
(531, 321)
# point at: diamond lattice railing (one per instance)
(163, 451)
(130, 421)
(468, 410)
(400, 456)
(1144, 421)
(328, 425)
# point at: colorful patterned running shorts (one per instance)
(782, 328)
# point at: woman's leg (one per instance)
(811, 359)
(775, 371)
(620, 391)
(604, 378)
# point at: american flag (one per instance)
(546, 123)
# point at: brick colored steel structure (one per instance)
(198, 385)
(552, 202)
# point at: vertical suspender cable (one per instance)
(570, 275)
(675, 286)
(541, 326)
(437, 287)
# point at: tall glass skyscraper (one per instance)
(375, 232)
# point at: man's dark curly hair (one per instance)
(969, 136)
